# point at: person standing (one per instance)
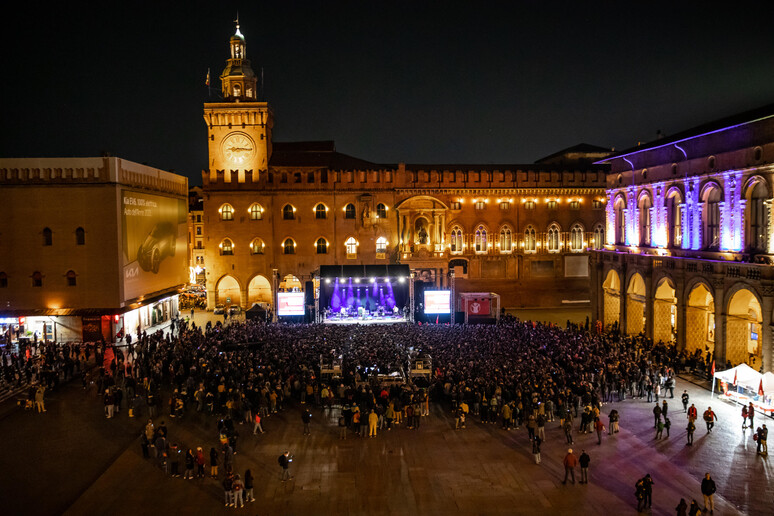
(228, 485)
(685, 399)
(647, 490)
(570, 461)
(682, 508)
(584, 465)
(639, 493)
(667, 425)
(40, 404)
(238, 488)
(213, 463)
(600, 428)
(284, 461)
(694, 509)
(200, 460)
(690, 429)
(751, 415)
(708, 491)
(659, 429)
(373, 420)
(613, 422)
(656, 415)
(306, 418)
(710, 418)
(763, 436)
(568, 431)
(664, 409)
(692, 413)
(189, 465)
(536, 449)
(744, 417)
(249, 486)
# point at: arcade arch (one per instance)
(635, 305)
(611, 289)
(259, 291)
(700, 320)
(291, 284)
(228, 292)
(664, 312)
(743, 329)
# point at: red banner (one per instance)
(478, 306)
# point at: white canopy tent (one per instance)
(741, 376)
(760, 385)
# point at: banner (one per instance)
(478, 306)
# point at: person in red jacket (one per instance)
(570, 461)
(693, 413)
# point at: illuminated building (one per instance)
(89, 246)
(689, 245)
(274, 212)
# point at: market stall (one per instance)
(743, 384)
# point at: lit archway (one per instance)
(664, 312)
(700, 320)
(228, 291)
(612, 298)
(259, 291)
(291, 284)
(743, 329)
(635, 305)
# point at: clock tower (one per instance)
(238, 127)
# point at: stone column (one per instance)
(720, 327)
(767, 346)
(680, 322)
(623, 312)
(649, 311)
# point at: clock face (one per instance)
(238, 148)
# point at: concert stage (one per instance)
(364, 294)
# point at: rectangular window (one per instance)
(198, 231)
(505, 206)
(597, 204)
(529, 205)
(456, 205)
(551, 205)
(574, 205)
(310, 177)
(480, 205)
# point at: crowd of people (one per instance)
(516, 374)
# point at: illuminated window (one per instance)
(381, 211)
(37, 279)
(620, 221)
(456, 205)
(456, 240)
(198, 231)
(349, 211)
(351, 246)
(576, 238)
(756, 217)
(597, 204)
(288, 212)
(480, 205)
(256, 212)
(599, 237)
(3, 280)
(711, 218)
(289, 247)
(505, 205)
(322, 246)
(574, 205)
(529, 240)
(529, 205)
(48, 237)
(381, 245)
(226, 247)
(226, 212)
(237, 90)
(70, 278)
(256, 246)
(80, 236)
(553, 238)
(480, 239)
(320, 212)
(551, 205)
(674, 219)
(644, 213)
(506, 240)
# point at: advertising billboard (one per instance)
(290, 303)
(437, 301)
(154, 231)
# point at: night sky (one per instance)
(418, 82)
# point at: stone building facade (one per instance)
(688, 240)
(274, 212)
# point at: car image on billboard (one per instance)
(159, 244)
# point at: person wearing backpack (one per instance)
(238, 488)
(284, 461)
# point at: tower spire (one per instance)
(237, 26)
(238, 79)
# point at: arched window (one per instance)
(456, 240)
(711, 218)
(226, 247)
(288, 246)
(48, 236)
(288, 212)
(322, 246)
(757, 225)
(351, 246)
(381, 211)
(37, 279)
(620, 221)
(256, 211)
(256, 246)
(480, 240)
(70, 278)
(530, 240)
(320, 212)
(644, 214)
(576, 238)
(506, 240)
(349, 211)
(381, 245)
(674, 220)
(80, 236)
(237, 90)
(3, 280)
(226, 212)
(599, 237)
(553, 238)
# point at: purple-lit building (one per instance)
(688, 254)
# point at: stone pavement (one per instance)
(72, 460)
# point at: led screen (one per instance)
(290, 303)
(437, 301)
